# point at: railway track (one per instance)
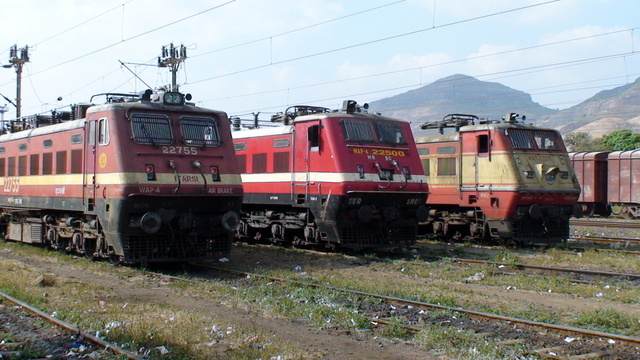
(605, 223)
(626, 276)
(611, 240)
(71, 329)
(413, 316)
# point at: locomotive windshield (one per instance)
(151, 129)
(367, 131)
(199, 131)
(535, 139)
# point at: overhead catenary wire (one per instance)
(408, 86)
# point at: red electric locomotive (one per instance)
(498, 180)
(141, 179)
(345, 179)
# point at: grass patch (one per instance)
(608, 320)
(157, 330)
(452, 343)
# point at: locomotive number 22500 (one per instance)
(184, 150)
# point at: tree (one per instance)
(581, 141)
(621, 140)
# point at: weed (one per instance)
(607, 320)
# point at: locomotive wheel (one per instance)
(115, 259)
(89, 249)
(627, 213)
(588, 210)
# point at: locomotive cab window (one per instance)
(546, 140)
(151, 129)
(358, 131)
(483, 144)
(313, 136)
(199, 131)
(103, 132)
(390, 133)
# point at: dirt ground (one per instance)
(320, 344)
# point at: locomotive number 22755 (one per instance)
(184, 150)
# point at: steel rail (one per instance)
(612, 224)
(549, 268)
(604, 239)
(435, 306)
(96, 340)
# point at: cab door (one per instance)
(90, 166)
(305, 160)
(97, 135)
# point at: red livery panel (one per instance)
(344, 178)
(143, 178)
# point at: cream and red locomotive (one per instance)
(498, 180)
(140, 179)
(345, 179)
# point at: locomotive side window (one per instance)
(259, 163)
(240, 146)
(76, 161)
(358, 131)
(47, 143)
(447, 166)
(11, 168)
(61, 162)
(281, 143)
(103, 132)
(281, 162)
(391, 133)
(22, 147)
(22, 165)
(242, 163)
(151, 129)
(425, 166)
(76, 139)
(2, 150)
(34, 164)
(199, 131)
(47, 163)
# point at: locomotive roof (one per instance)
(49, 129)
(287, 129)
(145, 105)
(454, 136)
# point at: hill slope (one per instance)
(608, 110)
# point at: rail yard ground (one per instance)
(231, 317)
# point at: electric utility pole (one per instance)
(172, 57)
(17, 58)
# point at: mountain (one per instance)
(460, 94)
(609, 110)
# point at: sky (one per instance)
(260, 56)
